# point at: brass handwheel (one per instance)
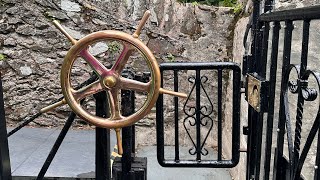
(110, 80)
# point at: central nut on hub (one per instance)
(110, 81)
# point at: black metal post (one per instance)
(272, 86)
(103, 167)
(127, 106)
(253, 116)
(176, 116)
(219, 114)
(279, 166)
(198, 115)
(129, 167)
(5, 168)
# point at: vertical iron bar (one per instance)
(103, 167)
(56, 146)
(268, 5)
(160, 124)
(127, 108)
(279, 168)
(252, 117)
(299, 116)
(261, 70)
(5, 168)
(133, 140)
(219, 114)
(272, 86)
(198, 115)
(236, 103)
(176, 115)
(317, 165)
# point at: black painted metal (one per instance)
(254, 118)
(176, 116)
(279, 167)
(219, 114)
(199, 115)
(284, 167)
(102, 156)
(129, 167)
(312, 12)
(5, 167)
(272, 86)
(138, 169)
(128, 108)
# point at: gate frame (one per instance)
(283, 168)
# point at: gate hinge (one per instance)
(257, 92)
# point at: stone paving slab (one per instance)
(157, 172)
(29, 148)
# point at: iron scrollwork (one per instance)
(300, 86)
(191, 109)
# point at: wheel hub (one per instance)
(109, 81)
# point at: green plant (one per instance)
(2, 57)
(237, 9)
(113, 47)
(171, 57)
(195, 3)
(227, 3)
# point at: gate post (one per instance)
(103, 167)
(129, 167)
(5, 168)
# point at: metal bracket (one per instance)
(256, 92)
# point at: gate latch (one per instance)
(256, 92)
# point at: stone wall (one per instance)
(33, 49)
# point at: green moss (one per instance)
(114, 47)
(2, 57)
(237, 9)
(226, 3)
(171, 57)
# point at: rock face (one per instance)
(34, 49)
(290, 4)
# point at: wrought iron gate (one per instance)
(289, 155)
(269, 114)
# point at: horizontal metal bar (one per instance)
(195, 164)
(312, 12)
(199, 65)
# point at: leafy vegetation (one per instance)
(171, 57)
(2, 57)
(114, 47)
(226, 3)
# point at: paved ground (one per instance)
(30, 146)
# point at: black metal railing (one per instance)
(198, 114)
(284, 167)
(5, 167)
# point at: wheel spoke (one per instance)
(123, 58)
(129, 84)
(114, 104)
(91, 89)
(97, 66)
